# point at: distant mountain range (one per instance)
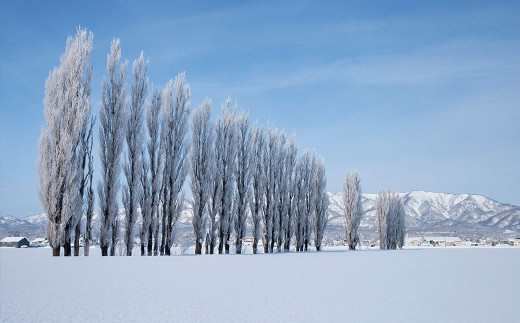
(426, 212)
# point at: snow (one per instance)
(12, 239)
(454, 285)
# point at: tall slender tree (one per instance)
(175, 145)
(271, 200)
(322, 203)
(281, 194)
(133, 168)
(352, 204)
(155, 164)
(226, 142)
(306, 199)
(290, 174)
(113, 120)
(259, 182)
(201, 169)
(67, 110)
(243, 178)
(90, 194)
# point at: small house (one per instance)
(39, 242)
(14, 242)
(453, 241)
(413, 241)
(514, 242)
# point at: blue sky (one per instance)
(416, 95)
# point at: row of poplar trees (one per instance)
(236, 170)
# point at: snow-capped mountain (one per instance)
(428, 211)
(425, 211)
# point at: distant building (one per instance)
(514, 242)
(433, 241)
(14, 242)
(453, 242)
(413, 241)
(39, 242)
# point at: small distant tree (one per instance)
(352, 202)
(390, 215)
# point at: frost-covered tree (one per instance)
(352, 198)
(243, 177)
(154, 166)
(67, 110)
(390, 215)
(322, 203)
(382, 210)
(175, 146)
(86, 170)
(226, 143)
(290, 178)
(145, 202)
(310, 199)
(90, 194)
(201, 169)
(306, 199)
(271, 201)
(113, 120)
(259, 183)
(133, 168)
(281, 194)
(212, 233)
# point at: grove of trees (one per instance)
(236, 170)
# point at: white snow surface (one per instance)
(414, 285)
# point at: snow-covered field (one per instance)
(433, 285)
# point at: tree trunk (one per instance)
(198, 247)
(206, 245)
(77, 234)
(104, 251)
(167, 250)
(221, 244)
(56, 251)
(67, 250)
(114, 240)
(142, 248)
(156, 240)
(255, 246)
(150, 241)
(266, 247)
(163, 230)
(318, 247)
(66, 244)
(86, 248)
(227, 248)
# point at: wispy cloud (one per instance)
(438, 64)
